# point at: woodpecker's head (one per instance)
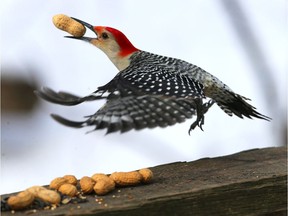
(112, 42)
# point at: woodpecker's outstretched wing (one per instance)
(65, 98)
(129, 107)
(124, 114)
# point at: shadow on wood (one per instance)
(253, 182)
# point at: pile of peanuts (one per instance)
(99, 183)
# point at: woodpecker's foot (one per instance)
(199, 122)
(201, 110)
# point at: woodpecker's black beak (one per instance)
(89, 26)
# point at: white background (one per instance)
(36, 149)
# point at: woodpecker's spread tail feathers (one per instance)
(124, 114)
(236, 104)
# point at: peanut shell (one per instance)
(49, 196)
(35, 190)
(71, 179)
(146, 174)
(68, 189)
(57, 182)
(97, 176)
(104, 186)
(87, 184)
(21, 200)
(69, 25)
(126, 178)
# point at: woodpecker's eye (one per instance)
(104, 35)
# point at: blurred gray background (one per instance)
(243, 43)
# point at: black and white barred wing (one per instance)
(124, 114)
(160, 79)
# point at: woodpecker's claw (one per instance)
(199, 122)
(201, 110)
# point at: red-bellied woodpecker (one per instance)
(150, 90)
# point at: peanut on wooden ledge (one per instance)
(126, 178)
(25, 198)
(71, 179)
(146, 174)
(103, 184)
(21, 200)
(87, 184)
(44, 194)
(69, 25)
(57, 182)
(68, 189)
(66, 185)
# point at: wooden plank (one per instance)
(252, 182)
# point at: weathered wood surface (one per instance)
(253, 182)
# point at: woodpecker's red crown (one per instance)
(126, 47)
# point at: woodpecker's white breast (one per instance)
(120, 62)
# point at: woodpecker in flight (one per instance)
(149, 90)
